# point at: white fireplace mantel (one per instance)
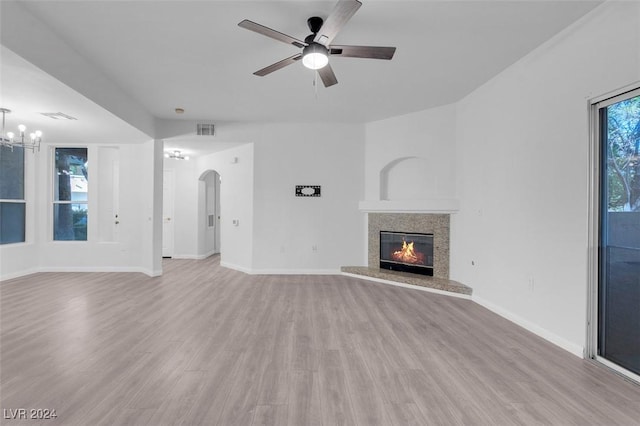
(434, 205)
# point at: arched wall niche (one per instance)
(408, 178)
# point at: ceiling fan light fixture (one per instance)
(315, 56)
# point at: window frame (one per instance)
(22, 200)
(595, 199)
(55, 202)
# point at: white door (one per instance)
(108, 194)
(167, 213)
(217, 214)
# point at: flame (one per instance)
(408, 254)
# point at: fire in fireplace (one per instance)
(406, 251)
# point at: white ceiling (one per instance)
(28, 92)
(192, 54)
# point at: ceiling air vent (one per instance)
(58, 115)
(204, 130)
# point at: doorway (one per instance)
(210, 213)
(616, 308)
(168, 182)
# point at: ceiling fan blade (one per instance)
(266, 31)
(372, 52)
(340, 15)
(327, 76)
(278, 65)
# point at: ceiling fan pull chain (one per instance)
(315, 83)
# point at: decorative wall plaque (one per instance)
(307, 190)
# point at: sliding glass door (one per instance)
(619, 231)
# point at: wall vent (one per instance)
(58, 115)
(204, 130)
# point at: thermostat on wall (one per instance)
(307, 190)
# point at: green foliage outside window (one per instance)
(623, 145)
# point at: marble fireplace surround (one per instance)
(426, 223)
(436, 223)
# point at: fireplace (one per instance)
(407, 252)
(420, 223)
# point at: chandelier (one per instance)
(13, 140)
(176, 155)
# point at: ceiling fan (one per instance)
(317, 47)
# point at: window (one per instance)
(615, 233)
(12, 202)
(70, 194)
(620, 231)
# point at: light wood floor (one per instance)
(207, 345)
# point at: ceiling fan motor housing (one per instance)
(315, 23)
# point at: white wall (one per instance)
(522, 154)
(310, 235)
(426, 135)
(135, 247)
(263, 205)
(192, 238)
(236, 168)
(277, 232)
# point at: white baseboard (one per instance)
(235, 267)
(149, 272)
(18, 274)
(561, 342)
(210, 253)
(411, 286)
(85, 269)
(194, 256)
